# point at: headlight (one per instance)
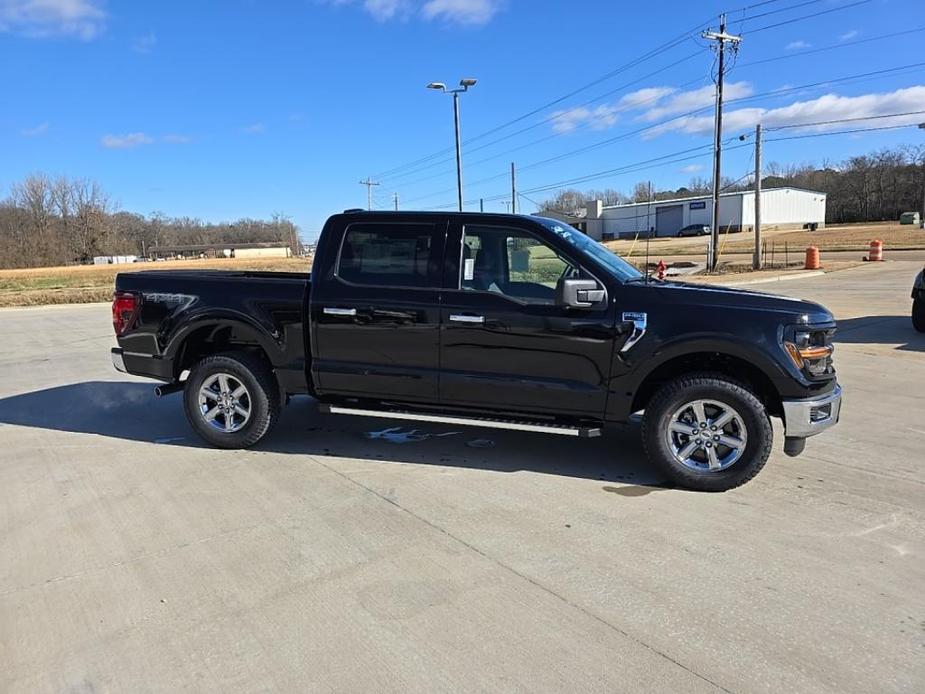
(811, 350)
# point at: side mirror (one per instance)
(574, 293)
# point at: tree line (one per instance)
(60, 221)
(873, 187)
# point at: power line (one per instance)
(659, 124)
(681, 38)
(846, 120)
(778, 11)
(681, 86)
(807, 16)
(658, 50)
(653, 126)
(549, 119)
(844, 44)
(842, 132)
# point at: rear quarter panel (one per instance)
(265, 309)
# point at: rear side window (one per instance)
(391, 255)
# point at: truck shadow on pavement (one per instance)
(881, 330)
(130, 411)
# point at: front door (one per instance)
(505, 343)
(377, 318)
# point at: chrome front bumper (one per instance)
(812, 416)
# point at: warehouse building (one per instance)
(781, 208)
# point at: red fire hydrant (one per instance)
(660, 269)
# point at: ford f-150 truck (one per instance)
(492, 320)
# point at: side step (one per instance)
(515, 425)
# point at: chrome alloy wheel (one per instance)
(224, 403)
(706, 435)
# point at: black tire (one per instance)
(918, 314)
(261, 399)
(752, 414)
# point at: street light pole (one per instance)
(464, 85)
(459, 194)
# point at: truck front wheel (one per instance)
(231, 399)
(707, 432)
(918, 313)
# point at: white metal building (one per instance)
(781, 208)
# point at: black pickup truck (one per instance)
(492, 320)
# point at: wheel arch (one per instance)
(724, 363)
(205, 338)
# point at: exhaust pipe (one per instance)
(167, 389)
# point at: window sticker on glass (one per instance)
(469, 269)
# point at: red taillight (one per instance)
(124, 311)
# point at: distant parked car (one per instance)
(695, 230)
(918, 302)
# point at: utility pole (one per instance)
(395, 198)
(922, 220)
(481, 204)
(369, 183)
(513, 189)
(721, 39)
(756, 258)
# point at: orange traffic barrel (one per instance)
(812, 259)
(876, 250)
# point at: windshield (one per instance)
(619, 267)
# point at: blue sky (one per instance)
(241, 108)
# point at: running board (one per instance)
(563, 430)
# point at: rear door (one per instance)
(505, 343)
(376, 313)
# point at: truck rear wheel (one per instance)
(707, 432)
(918, 314)
(231, 399)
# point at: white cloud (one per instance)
(39, 129)
(461, 11)
(797, 45)
(254, 128)
(84, 19)
(599, 118)
(176, 139)
(848, 35)
(465, 12)
(681, 102)
(605, 116)
(691, 168)
(824, 108)
(644, 97)
(127, 141)
(144, 44)
(384, 10)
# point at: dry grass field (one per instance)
(847, 237)
(88, 283)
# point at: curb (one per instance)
(778, 278)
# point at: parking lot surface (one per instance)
(350, 554)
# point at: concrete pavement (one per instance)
(132, 558)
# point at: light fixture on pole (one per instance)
(464, 85)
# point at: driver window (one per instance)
(513, 263)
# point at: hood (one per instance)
(795, 310)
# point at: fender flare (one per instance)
(729, 345)
(241, 325)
